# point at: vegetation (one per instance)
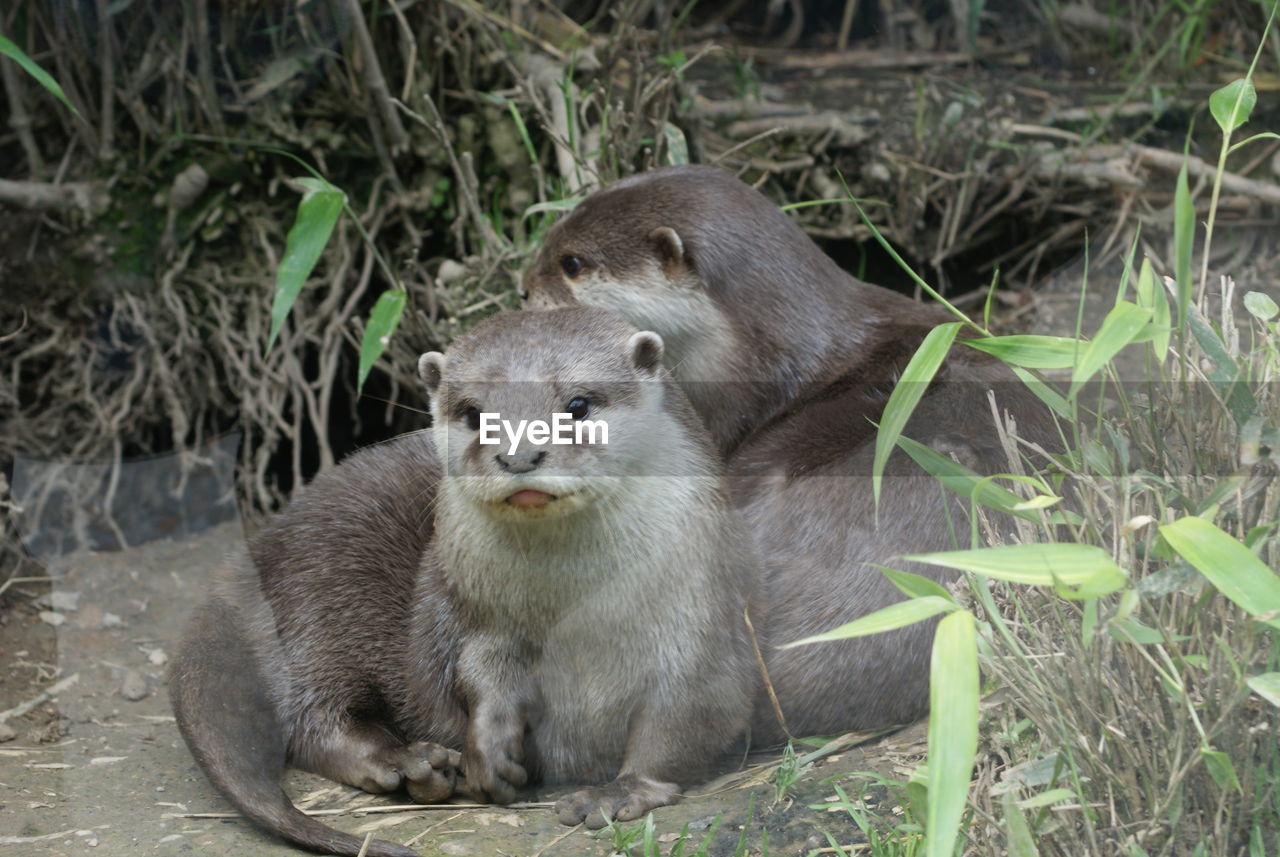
(1129, 616)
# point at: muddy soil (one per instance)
(99, 767)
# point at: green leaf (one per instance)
(15, 53)
(1266, 686)
(1130, 630)
(906, 395)
(1220, 768)
(953, 729)
(956, 477)
(1260, 305)
(1151, 295)
(677, 146)
(1018, 838)
(1054, 400)
(317, 214)
(1047, 798)
(1230, 566)
(377, 333)
(1048, 564)
(1184, 233)
(1031, 351)
(1121, 326)
(885, 619)
(1232, 104)
(915, 585)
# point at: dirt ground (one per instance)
(96, 766)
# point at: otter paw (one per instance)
(493, 770)
(430, 771)
(625, 799)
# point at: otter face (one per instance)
(641, 272)
(542, 414)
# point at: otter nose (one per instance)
(520, 462)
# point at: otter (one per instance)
(790, 360)
(566, 613)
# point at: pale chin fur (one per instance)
(694, 330)
(571, 493)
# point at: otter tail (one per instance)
(223, 711)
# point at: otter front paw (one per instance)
(430, 771)
(625, 799)
(492, 766)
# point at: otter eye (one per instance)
(471, 416)
(578, 408)
(571, 265)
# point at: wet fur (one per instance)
(803, 359)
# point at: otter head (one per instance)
(643, 248)
(541, 414)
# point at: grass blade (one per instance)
(915, 585)
(317, 214)
(1048, 564)
(1151, 295)
(1018, 836)
(1231, 567)
(953, 729)
(15, 53)
(377, 333)
(885, 619)
(906, 395)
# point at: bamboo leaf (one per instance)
(956, 477)
(1018, 836)
(1087, 567)
(885, 619)
(1260, 305)
(1231, 567)
(1151, 295)
(1184, 233)
(953, 729)
(906, 395)
(1028, 350)
(317, 214)
(1047, 798)
(1054, 400)
(1266, 686)
(1220, 768)
(377, 333)
(1232, 104)
(15, 53)
(1121, 326)
(915, 585)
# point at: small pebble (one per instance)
(157, 657)
(134, 686)
(6, 732)
(50, 618)
(111, 620)
(67, 602)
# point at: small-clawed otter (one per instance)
(790, 360)
(571, 613)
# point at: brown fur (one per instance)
(334, 645)
(802, 360)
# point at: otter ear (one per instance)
(670, 249)
(431, 370)
(646, 349)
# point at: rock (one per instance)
(134, 686)
(6, 732)
(50, 618)
(63, 601)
